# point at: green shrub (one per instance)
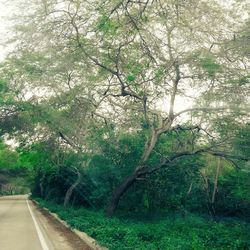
(184, 233)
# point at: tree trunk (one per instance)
(129, 181)
(218, 168)
(119, 193)
(71, 189)
(41, 189)
(211, 197)
(149, 146)
(41, 183)
(206, 188)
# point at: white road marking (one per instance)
(38, 230)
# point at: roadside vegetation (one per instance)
(170, 232)
(130, 119)
(14, 177)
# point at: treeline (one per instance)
(14, 176)
(201, 184)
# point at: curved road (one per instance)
(24, 227)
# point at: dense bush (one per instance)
(190, 232)
(13, 175)
(180, 187)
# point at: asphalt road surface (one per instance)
(25, 227)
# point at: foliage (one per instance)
(8, 158)
(13, 174)
(189, 232)
(91, 93)
(233, 195)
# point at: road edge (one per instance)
(91, 242)
(38, 230)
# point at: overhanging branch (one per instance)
(167, 160)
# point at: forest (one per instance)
(130, 119)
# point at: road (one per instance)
(24, 227)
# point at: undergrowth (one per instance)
(183, 233)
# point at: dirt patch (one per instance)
(75, 241)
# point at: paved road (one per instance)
(24, 227)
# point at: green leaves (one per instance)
(159, 74)
(3, 86)
(183, 233)
(134, 68)
(130, 78)
(244, 80)
(209, 64)
(33, 70)
(107, 25)
(8, 159)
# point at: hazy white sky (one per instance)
(6, 8)
(2, 26)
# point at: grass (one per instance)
(191, 232)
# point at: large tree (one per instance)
(156, 66)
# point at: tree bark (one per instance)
(149, 146)
(218, 168)
(119, 192)
(41, 189)
(71, 189)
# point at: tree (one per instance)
(125, 65)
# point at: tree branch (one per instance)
(203, 109)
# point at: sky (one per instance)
(2, 27)
(6, 9)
